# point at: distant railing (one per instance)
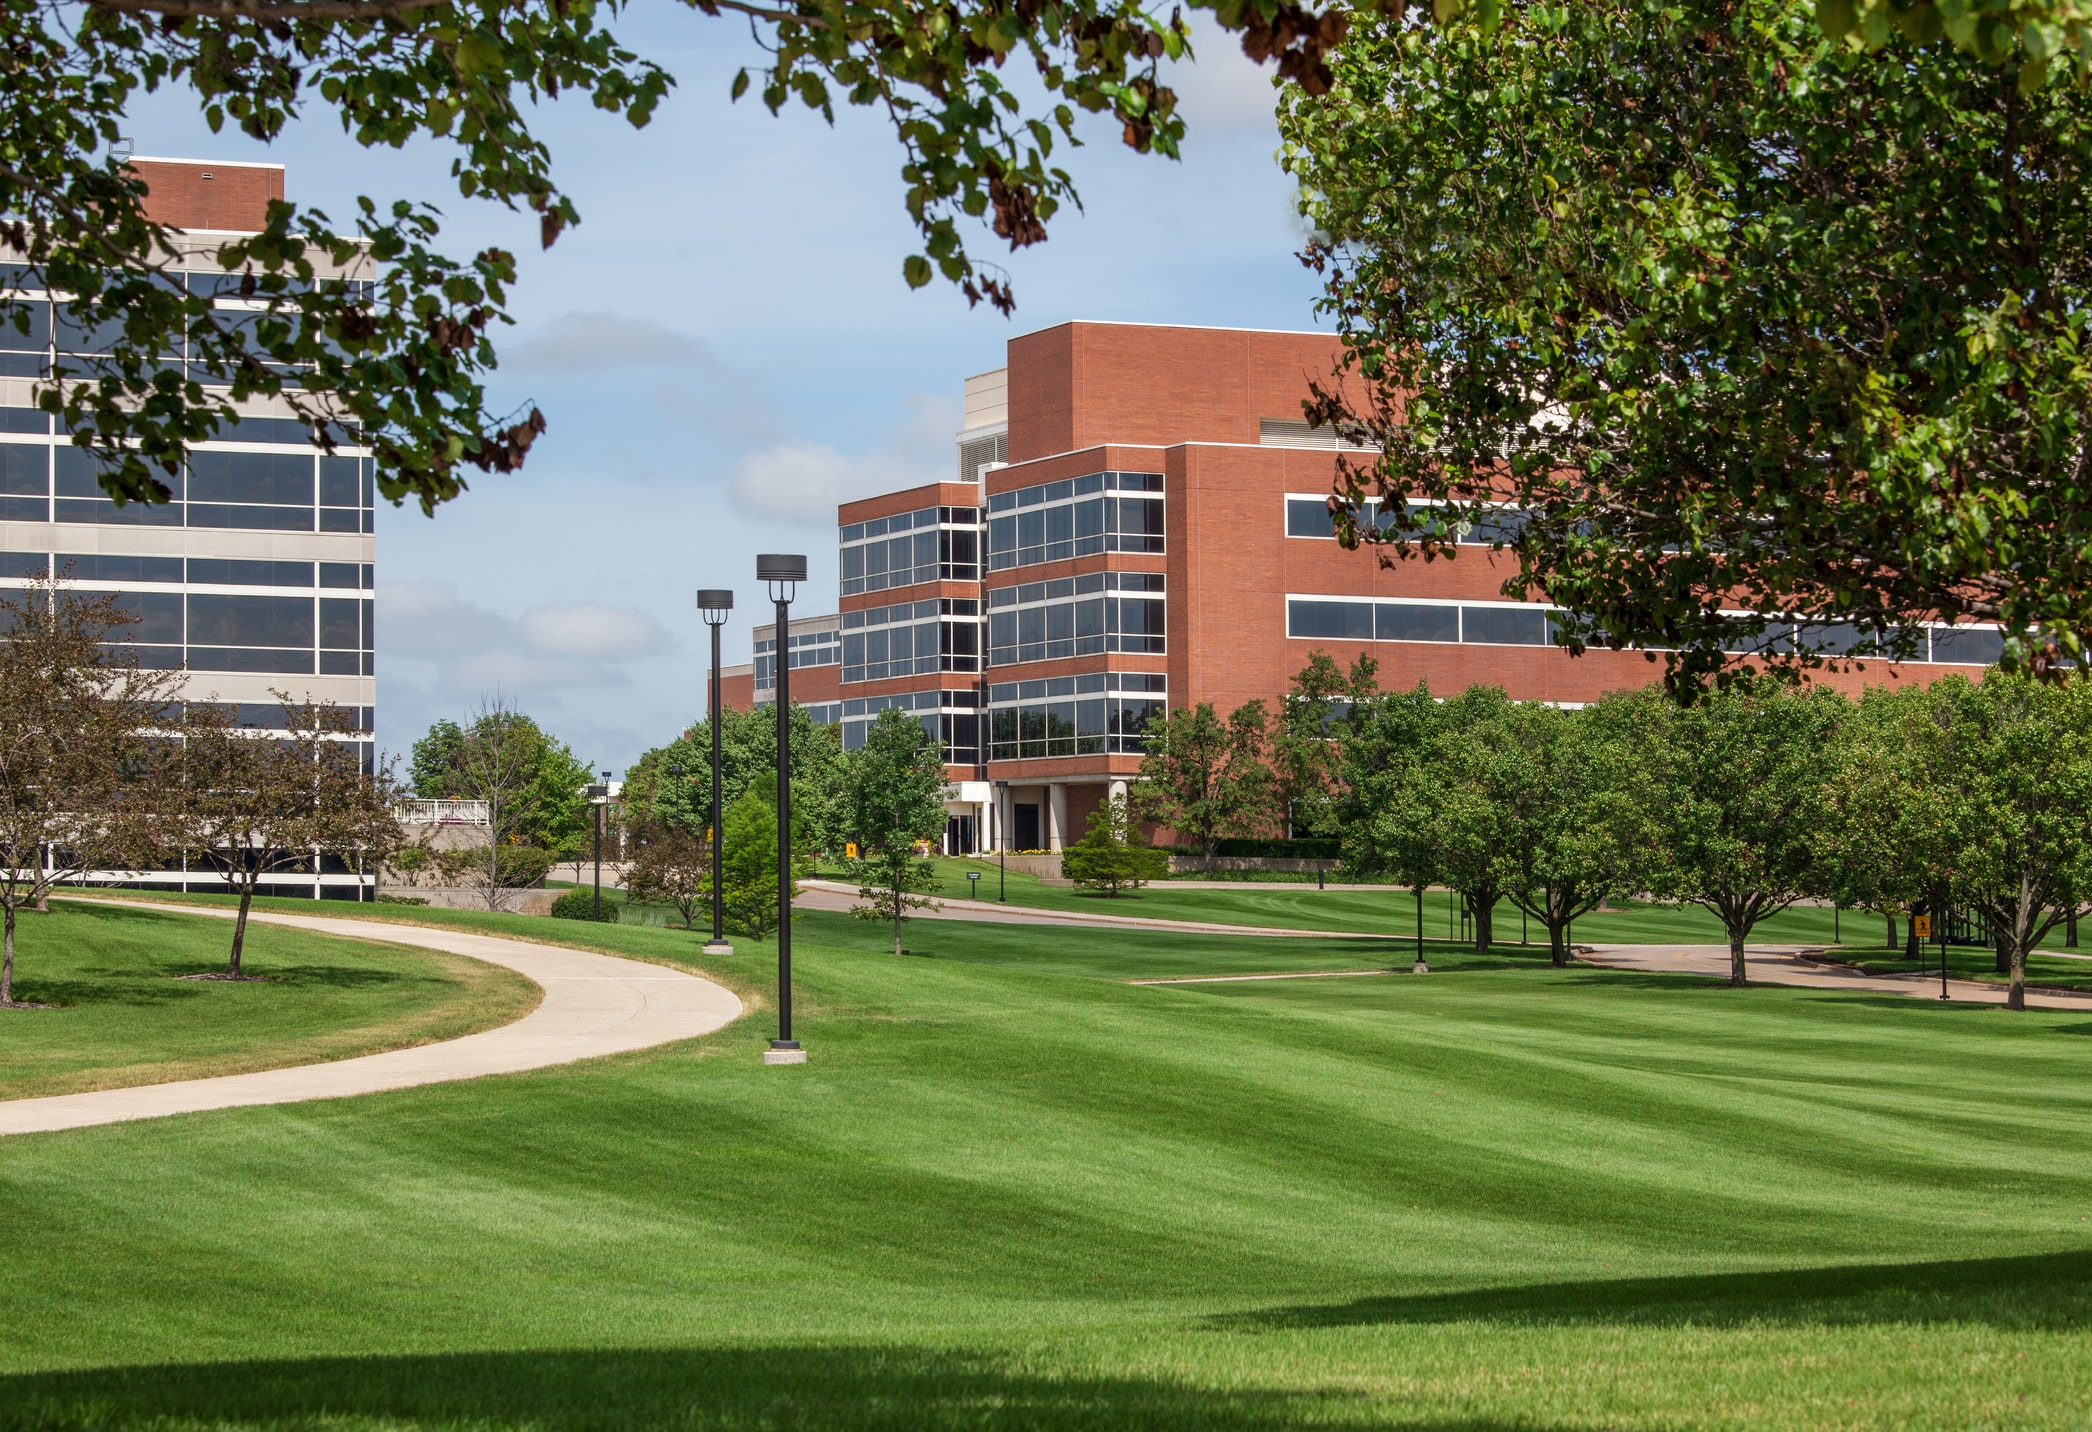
(443, 812)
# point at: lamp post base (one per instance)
(1420, 968)
(784, 1051)
(718, 947)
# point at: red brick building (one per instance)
(1152, 534)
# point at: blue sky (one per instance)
(724, 349)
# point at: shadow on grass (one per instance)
(688, 1389)
(2050, 1291)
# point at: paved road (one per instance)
(593, 1005)
(1783, 965)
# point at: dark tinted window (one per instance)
(341, 481)
(1340, 621)
(23, 564)
(338, 621)
(250, 621)
(1309, 517)
(1401, 622)
(97, 567)
(229, 573)
(1506, 626)
(75, 336)
(260, 519)
(1963, 644)
(250, 477)
(25, 470)
(36, 317)
(159, 616)
(132, 514)
(24, 420)
(338, 574)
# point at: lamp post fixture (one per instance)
(1002, 845)
(781, 575)
(599, 797)
(715, 604)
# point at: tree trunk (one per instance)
(1890, 916)
(7, 958)
(1739, 974)
(2002, 943)
(239, 927)
(1912, 950)
(2016, 996)
(1485, 923)
(1558, 943)
(897, 920)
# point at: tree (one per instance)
(77, 748)
(254, 801)
(748, 867)
(1388, 800)
(2018, 760)
(532, 786)
(1206, 778)
(1111, 857)
(401, 349)
(1304, 759)
(1462, 800)
(1742, 809)
(672, 784)
(891, 804)
(1889, 810)
(432, 766)
(671, 866)
(1575, 810)
(1738, 319)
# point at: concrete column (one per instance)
(1056, 815)
(1116, 790)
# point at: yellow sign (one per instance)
(850, 850)
(1921, 925)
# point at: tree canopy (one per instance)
(1774, 343)
(361, 319)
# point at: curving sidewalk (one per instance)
(594, 1005)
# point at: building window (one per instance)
(808, 648)
(1077, 517)
(951, 717)
(1311, 517)
(1076, 616)
(912, 638)
(1484, 624)
(1101, 713)
(935, 544)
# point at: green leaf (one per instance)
(916, 270)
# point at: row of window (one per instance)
(951, 718)
(1106, 713)
(1338, 619)
(928, 545)
(1077, 517)
(902, 612)
(1311, 517)
(283, 432)
(813, 648)
(1079, 616)
(198, 571)
(938, 644)
(18, 278)
(42, 469)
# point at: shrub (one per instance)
(1107, 858)
(580, 904)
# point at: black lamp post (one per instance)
(1002, 845)
(715, 604)
(599, 797)
(781, 575)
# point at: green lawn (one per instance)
(1009, 1193)
(123, 1016)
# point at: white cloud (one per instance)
(585, 630)
(802, 481)
(595, 341)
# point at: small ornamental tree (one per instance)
(670, 866)
(1305, 762)
(1205, 778)
(890, 805)
(748, 867)
(1111, 857)
(1889, 808)
(251, 801)
(76, 748)
(1388, 801)
(1743, 809)
(2019, 765)
(1575, 806)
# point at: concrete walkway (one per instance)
(594, 1005)
(834, 895)
(1783, 965)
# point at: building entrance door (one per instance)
(1024, 834)
(958, 835)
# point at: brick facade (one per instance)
(187, 194)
